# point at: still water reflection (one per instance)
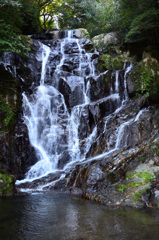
(61, 217)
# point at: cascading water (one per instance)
(53, 131)
(61, 105)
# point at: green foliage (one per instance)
(7, 112)
(6, 184)
(146, 79)
(137, 20)
(133, 183)
(117, 63)
(86, 14)
(138, 195)
(30, 16)
(142, 25)
(145, 76)
(106, 80)
(146, 176)
(11, 24)
(104, 62)
(121, 187)
(10, 41)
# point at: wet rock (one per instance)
(100, 86)
(24, 155)
(63, 159)
(60, 34)
(40, 182)
(123, 177)
(72, 89)
(65, 89)
(50, 34)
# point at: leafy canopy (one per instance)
(135, 21)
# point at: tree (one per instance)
(48, 12)
(10, 19)
(78, 14)
(30, 15)
(137, 20)
(144, 27)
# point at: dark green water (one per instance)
(62, 217)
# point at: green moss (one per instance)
(10, 100)
(6, 184)
(104, 62)
(135, 184)
(147, 177)
(134, 181)
(117, 63)
(27, 41)
(7, 114)
(84, 32)
(138, 195)
(146, 77)
(130, 175)
(121, 187)
(106, 80)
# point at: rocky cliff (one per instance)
(118, 125)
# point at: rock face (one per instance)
(56, 34)
(145, 76)
(106, 39)
(124, 176)
(17, 74)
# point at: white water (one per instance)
(45, 55)
(127, 71)
(49, 121)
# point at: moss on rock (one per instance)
(10, 100)
(6, 183)
(145, 77)
(108, 62)
(104, 62)
(82, 33)
(117, 63)
(27, 41)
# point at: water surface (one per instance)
(63, 217)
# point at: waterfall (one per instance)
(61, 118)
(53, 130)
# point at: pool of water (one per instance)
(63, 217)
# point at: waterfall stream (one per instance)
(55, 121)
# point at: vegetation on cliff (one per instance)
(135, 21)
(6, 183)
